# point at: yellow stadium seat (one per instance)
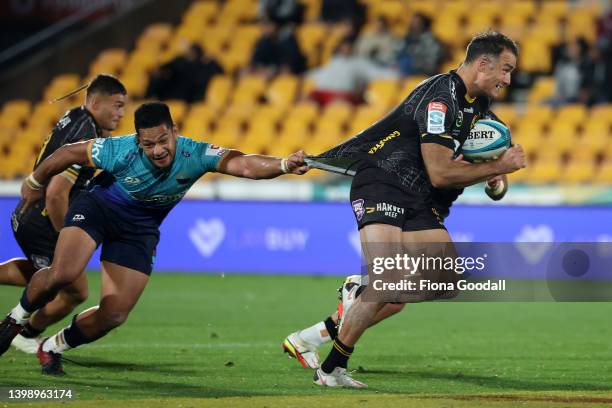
(293, 136)
(410, 85)
(554, 8)
(572, 113)
(273, 113)
(541, 114)
(338, 112)
(535, 54)
(382, 92)
(506, 112)
(135, 85)
(364, 117)
(312, 9)
(577, 171)
(543, 171)
(201, 12)
(218, 91)
(305, 111)
(595, 136)
(178, 110)
(249, 90)
(601, 113)
(282, 91)
(19, 108)
(603, 174)
(157, 33)
(447, 29)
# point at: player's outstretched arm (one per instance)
(444, 172)
(60, 160)
(255, 166)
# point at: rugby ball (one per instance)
(488, 139)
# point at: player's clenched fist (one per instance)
(296, 163)
(512, 160)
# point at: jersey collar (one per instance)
(461, 88)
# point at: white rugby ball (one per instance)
(488, 139)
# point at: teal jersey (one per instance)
(137, 187)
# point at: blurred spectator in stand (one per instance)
(379, 45)
(593, 86)
(281, 12)
(277, 51)
(186, 77)
(338, 11)
(421, 52)
(567, 74)
(345, 76)
(604, 46)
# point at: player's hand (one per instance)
(512, 160)
(296, 163)
(29, 196)
(497, 187)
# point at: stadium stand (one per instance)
(570, 143)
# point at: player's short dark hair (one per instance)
(105, 84)
(152, 114)
(489, 43)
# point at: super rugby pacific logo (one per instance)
(358, 208)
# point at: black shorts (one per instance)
(124, 243)
(381, 202)
(35, 235)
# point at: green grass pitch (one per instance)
(206, 340)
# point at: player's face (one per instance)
(108, 110)
(159, 144)
(495, 74)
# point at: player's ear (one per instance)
(483, 63)
(175, 129)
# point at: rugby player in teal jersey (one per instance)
(145, 176)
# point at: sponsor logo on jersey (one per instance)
(186, 154)
(468, 110)
(389, 210)
(436, 113)
(96, 147)
(131, 180)
(459, 120)
(214, 150)
(358, 208)
(64, 121)
(40, 261)
(78, 217)
(381, 142)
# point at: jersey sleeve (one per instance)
(435, 117)
(105, 153)
(72, 173)
(209, 156)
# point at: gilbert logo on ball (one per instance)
(488, 139)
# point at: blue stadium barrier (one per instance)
(320, 238)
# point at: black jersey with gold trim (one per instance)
(76, 125)
(438, 111)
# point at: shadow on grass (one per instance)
(493, 381)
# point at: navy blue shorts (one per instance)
(123, 243)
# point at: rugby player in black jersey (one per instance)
(408, 171)
(36, 230)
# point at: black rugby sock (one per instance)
(331, 327)
(337, 357)
(30, 332)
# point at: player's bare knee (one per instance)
(75, 297)
(113, 319)
(394, 308)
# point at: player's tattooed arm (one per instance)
(255, 166)
(445, 172)
(32, 188)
